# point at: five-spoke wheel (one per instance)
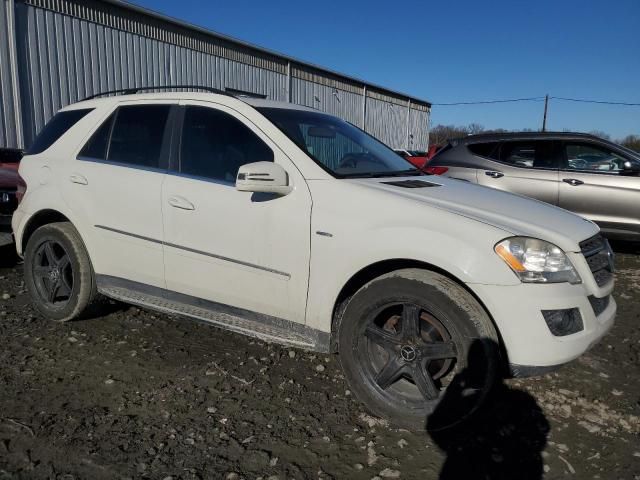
(52, 273)
(58, 272)
(405, 342)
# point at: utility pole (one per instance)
(544, 118)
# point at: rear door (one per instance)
(114, 188)
(525, 167)
(594, 186)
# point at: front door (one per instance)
(241, 249)
(594, 185)
(526, 167)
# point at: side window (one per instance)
(215, 145)
(55, 128)
(96, 147)
(137, 134)
(487, 149)
(584, 156)
(530, 154)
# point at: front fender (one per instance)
(335, 260)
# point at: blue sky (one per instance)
(465, 50)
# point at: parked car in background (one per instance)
(291, 225)
(418, 158)
(9, 185)
(431, 152)
(590, 176)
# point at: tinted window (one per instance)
(487, 150)
(531, 154)
(96, 147)
(136, 137)
(583, 156)
(55, 128)
(215, 145)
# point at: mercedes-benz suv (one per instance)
(296, 227)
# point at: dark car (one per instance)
(593, 177)
(10, 183)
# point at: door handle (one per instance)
(572, 181)
(79, 179)
(181, 203)
(494, 174)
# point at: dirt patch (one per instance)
(135, 394)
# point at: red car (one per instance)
(416, 157)
(10, 185)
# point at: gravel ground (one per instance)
(134, 394)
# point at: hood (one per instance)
(8, 178)
(515, 214)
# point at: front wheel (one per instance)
(406, 336)
(58, 273)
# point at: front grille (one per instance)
(598, 254)
(592, 245)
(599, 305)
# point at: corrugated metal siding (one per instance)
(418, 129)
(69, 59)
(387, 122)
(120, 18)
(9, 135)
(68, 50)
(346, 105)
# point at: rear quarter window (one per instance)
(56, 128)
(486, 150)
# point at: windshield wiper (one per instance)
(395, 173)
(399, 173)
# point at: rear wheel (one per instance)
(58, 272)
(405, 337)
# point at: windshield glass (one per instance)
(337, 146)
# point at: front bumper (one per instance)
(530, 346)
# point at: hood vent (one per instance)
(412, 184)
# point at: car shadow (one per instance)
(8, 256)
(502, 439)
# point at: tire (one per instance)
(56, 255)
(418, 349)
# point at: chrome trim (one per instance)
(82, 158)
(134, 235)
(199, 252)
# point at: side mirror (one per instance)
(630, 168)
(263, 177)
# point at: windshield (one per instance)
(340, 148)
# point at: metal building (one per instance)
(57, 52)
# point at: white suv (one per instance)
(293, 226)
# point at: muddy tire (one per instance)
(58, 272)
(407, 338)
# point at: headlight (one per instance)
(536, 261)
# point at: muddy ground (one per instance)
(134, 394)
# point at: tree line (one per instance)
(441, 134)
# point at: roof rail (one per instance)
(134, 90)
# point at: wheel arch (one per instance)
(37, 220)
(377, 269)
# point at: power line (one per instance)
(531, 99)
(603, 102)
(538, 99)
